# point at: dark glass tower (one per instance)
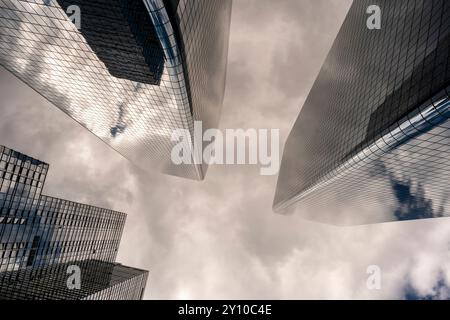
(135, 71)
(99, 280)
(41, 235)
(374, 130)
(121, 34)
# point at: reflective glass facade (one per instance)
(122, 36)
(374, 130)
(100, 280)
(128, 75)
(40, 235)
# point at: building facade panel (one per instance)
(38, 230)
(42, 236)
(373, 86)
(99, 280)
(170, 72)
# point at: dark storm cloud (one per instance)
(410, 194)
(440, 291)
(412, 204)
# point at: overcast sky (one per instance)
(219, 238)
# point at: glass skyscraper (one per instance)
(134, 71)
(99, 280)
(41, 235)
(374, 131)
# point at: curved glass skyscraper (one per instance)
(372, 141)
(130, 71)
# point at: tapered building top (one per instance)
(374, 128)
(130, 71)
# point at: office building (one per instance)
(99, 280)
(371, 143)
(130, 71)
(40, 235)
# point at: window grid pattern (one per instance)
(100, 280)
(205, 24)
(43, 48)
(38, 230)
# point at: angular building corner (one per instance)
(41, 237)
(375, 127)
(133, 73)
